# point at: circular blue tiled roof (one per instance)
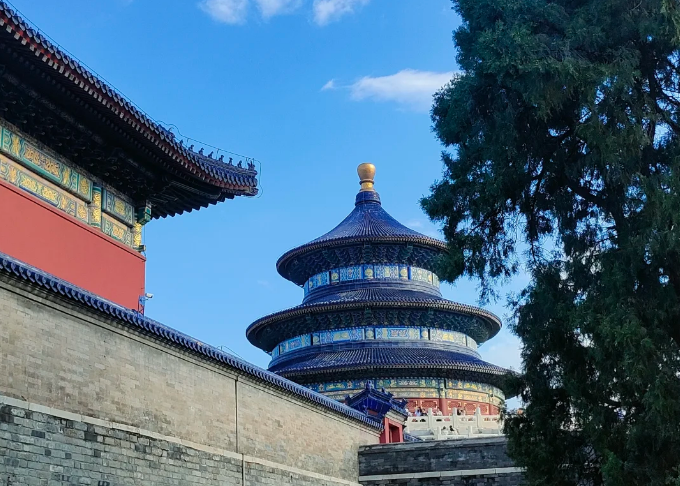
(409, 309)
(368, 223)
(388, 361)
(374, 293)
(372, 271)
(368, 219)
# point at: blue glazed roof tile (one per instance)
(367, 223)
(368, 219)
(133, 319)
(392, 357)
(369, 294)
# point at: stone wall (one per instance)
(465, 462)
(138, 410)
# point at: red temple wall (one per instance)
(446, 405)
(44, 237)
(392, 432)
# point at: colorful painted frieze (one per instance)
(38, 187)
(43, 164)
(421, 275)
(116, 230)
(338, 335)
(397, 333)
(339, 386)
(350, 273)
(383, 333)
(295, 343)
(450, 336)
(417, 388)
(386, 271)
(117, 207)
(370, 272)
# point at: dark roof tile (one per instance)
(133, 319)
(375, 357)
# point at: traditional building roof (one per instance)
(37, 279)
(270, 330)
(372, 307)
(377, 403)
(368, 233)
(59, 102)
(391, 361)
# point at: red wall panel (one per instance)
(42, 236)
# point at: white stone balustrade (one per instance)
(446, 427)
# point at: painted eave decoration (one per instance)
(36, 68)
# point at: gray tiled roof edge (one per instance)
(134, 319)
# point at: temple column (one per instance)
(442, 397)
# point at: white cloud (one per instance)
(326, 11)
(409, 87)
(227, 11)
(236, 11)
(329, 85)
(270, 8)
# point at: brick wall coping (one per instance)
(429, 445)
(493, 471)
(133, 319)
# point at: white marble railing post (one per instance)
(440, 427)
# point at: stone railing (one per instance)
(445, 427)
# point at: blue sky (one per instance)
(310, 88)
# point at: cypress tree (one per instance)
(562, 131)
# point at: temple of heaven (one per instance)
(372, 313)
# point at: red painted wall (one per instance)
(447, 405)
(43, 236)
(392, 432)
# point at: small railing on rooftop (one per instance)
(454, 426)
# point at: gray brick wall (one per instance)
(38, 449)
(73, 360)
(468, 462)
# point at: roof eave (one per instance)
(492, 320)
(67, 69)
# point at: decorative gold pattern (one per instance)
(117, 207)
(116, 230)
(137, 236)
(35, 159)
(418, 387)
(82, 212)
(85, 187)
(17, 176)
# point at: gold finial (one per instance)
(366, 173)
